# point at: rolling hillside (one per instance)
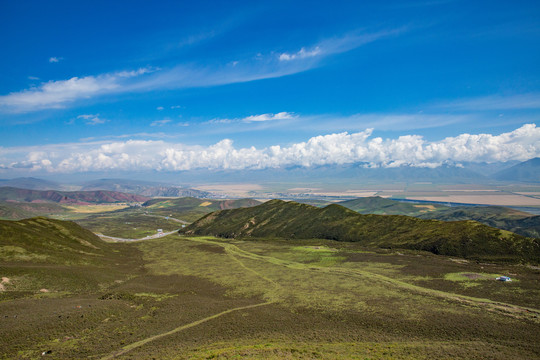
(383, 206)
(504, 218)
(68, 197)
(281, 219)
(191, 209)
(42, 240)
(497, 216)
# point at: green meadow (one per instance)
(183, 297)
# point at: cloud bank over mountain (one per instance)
(338, 148)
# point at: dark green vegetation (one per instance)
(42, 240)
(292, 220)
(67, 197)
(381, 206)
(185, 298)
(496, 216)
(191, 209)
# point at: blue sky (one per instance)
(178, 85)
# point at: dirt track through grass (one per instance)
(231, 253)
(140, 343)
(495, 306)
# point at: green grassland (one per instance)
(184, 297)
(131, 224)
(290, 220)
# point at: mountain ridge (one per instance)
(279, 219)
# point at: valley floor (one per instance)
(199, 297)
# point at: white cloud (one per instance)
(160, 122)
(159, 108)
(56, 94)
(33, 78)
(301, 54)
(60, 93)
(269, 117)
(55, 59)
(340, 148)
(92, 119)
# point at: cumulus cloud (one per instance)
(340, 148)
(54, 59)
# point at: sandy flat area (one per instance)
(502, 200)
(231, 189)
(345, 193)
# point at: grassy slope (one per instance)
(51, 241)
(381, 206)
(292, 220)
(496, 216)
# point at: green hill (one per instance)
(497, 216)
(43, 240)
(504, 218)
(191, 209)
(383, 206)
(281, 219)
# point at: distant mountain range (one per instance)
(144, 188)
(527, 171)
(465, 173)
(31, 183)
(290, 220)
(68, 197)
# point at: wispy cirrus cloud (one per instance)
(338, 148)
(284, 115)
(270, 117)
(92, 119)
(161, 122)
(61, 93)
(493, 102)
(57, 94)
